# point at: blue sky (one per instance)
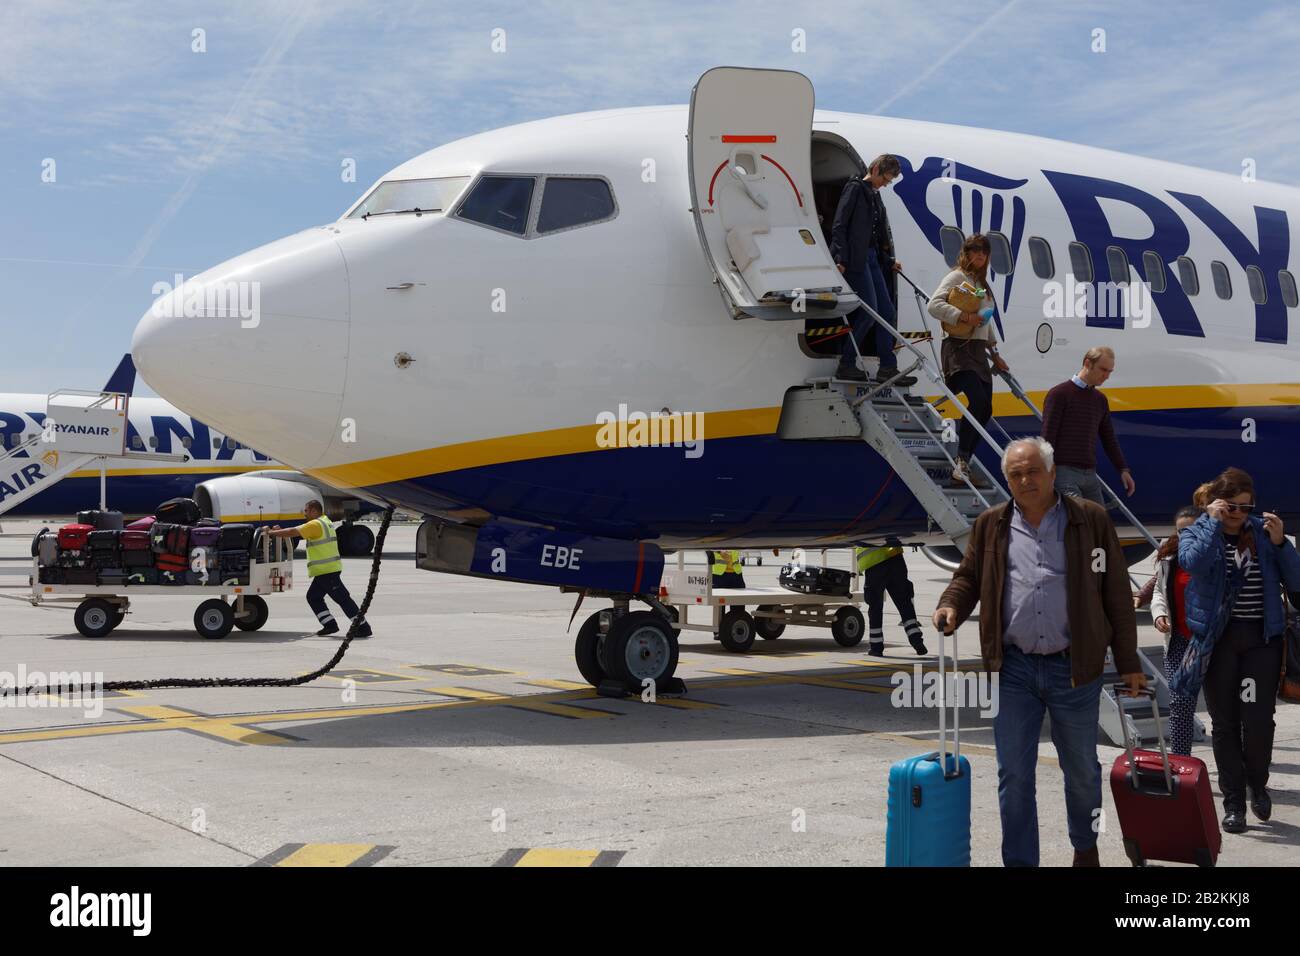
(169, 160)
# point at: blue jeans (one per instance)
(869, 284)
(1030, 685)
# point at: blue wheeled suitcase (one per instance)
(929, 796)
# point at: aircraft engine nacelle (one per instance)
(258, 499)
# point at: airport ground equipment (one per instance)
(728, 620)
(101, 608)
(81, 428)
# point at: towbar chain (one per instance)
(162, 682)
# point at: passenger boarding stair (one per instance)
(920, 445)
(80, 428)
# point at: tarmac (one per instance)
(462, 734)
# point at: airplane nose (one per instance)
(257, 346)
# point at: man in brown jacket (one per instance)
(1052, 585)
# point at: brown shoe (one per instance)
(1087, 857)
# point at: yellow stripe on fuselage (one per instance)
(761, 421)
(497, 451)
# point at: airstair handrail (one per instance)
(1018, 391)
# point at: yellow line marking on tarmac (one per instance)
(560, 856)
(523, 702)
(326, 854)
(679, 702)
(235, 728)
(366, 675)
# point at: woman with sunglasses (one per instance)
(1239, 562)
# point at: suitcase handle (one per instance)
(956, 714)
(1160, 736)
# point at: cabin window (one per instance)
(216, 443)
(1000, 258)
(950, 240)
(137, 443)
(1222, 281)
(1289, 295)
(1081, 262)
(1187, 276)
(231, 444)
(1155, 267)
(153, 441)
(1117, 263)
(186, 441)
(409, 196)
(1255, 282)
(1040, 257)
(571, 201)
(500, 202)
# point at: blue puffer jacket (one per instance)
(1200, 553)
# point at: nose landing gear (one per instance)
(622, 652)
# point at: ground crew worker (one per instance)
(725, 566)
(885, 569)
(325, 568)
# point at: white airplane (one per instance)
(230, 481)
(484, 336)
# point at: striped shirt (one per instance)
(1249, 605)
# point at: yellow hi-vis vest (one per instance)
(323, 552)
(726, 562)
(870, 557)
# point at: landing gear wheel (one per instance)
(118, 617)
(848, 627)
(768, 629)
(95, 617)
(255, 613)
(214, 618)
(586, 651)
(357, 540)
(640, 646)
(736, 630)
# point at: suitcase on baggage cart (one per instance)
(142, 576)
(105, 540)
(169, 538)
(81, 576)
(204, 536)
(179, 511)
(142, 524)
(137, 559)
(236, 537)
(168, 576)
(833, 581)
(133, 540)
(172, 562)
(1166, 811)
(928, 816)
(45, 547)
(112, 576)
(51, 575)
(74, 537)
(102, 520)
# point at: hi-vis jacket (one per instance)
(322, 547)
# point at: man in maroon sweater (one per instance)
(1075, 415)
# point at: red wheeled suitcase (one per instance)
(74, 537)
(1166, 810)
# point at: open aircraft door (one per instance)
(749, 155)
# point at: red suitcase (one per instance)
(74, 537)
(1167, 812)
(133, 540)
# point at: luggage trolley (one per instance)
(736, 628)
(101, 608)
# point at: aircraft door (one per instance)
(749, 159)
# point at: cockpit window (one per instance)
(501, 202)
(410, 195)
(569, 201)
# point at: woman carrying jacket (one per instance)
(1169, 613)
(1238, 564)
(966, 360)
